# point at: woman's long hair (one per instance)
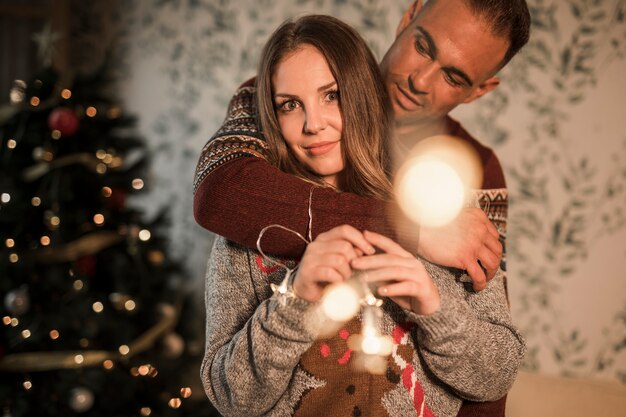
(366, 114)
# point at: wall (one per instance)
(557, 123)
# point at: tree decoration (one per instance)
(64, 120)
(88, 288)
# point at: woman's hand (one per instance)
(400, 276)
(327, 260)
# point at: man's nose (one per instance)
(422, 79)
(314, 120)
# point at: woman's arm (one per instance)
(465, 338)
(253, 344)
(470, 343)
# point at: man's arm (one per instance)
(237, 193)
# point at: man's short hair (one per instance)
(509, 19)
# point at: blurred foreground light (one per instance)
(5, 197)
(27, 385)
(145, 411)
(124, 349)
(340, 302)
(108, 364)
(65, 93)
(185, 392)
(54, 334)
(11, 144)
(432, 182)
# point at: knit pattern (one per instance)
(263, 357)
(238, 136)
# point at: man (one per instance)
(446, 52)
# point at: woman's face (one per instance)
(306, 99)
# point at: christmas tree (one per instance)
(93, 315)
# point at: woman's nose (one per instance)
(314, 121)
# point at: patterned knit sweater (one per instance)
(262, 357)
(237, 192)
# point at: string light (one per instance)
(91, 111)
(26, 333)
(100, 154)
(108, 158)
(45, 240)
(34, 101)
(134, 371)
(107, 364)
(10, 243)
(143, 370)
(14, 322)
(107, 192)
(153, 372)
(79, 359)
(55, 221)
(13, 258)
(174, 402)
(98, 219)
(66, 94)
(35, 201)
(6, 320)
(116, 162)
(137, 183)
(78, 285)
(114, 112)
(54, 334)
(156, 257)
(27, 385)
(47, 156)
(340, 302)
(129, 305)
(185, 392)
(56, 134)
(5, 198)
(97, 307)
(101, 168)
(11, 144)
(83, 342)
(124, 349)
(144, 235)
(145, 411)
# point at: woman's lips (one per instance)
(320, 148)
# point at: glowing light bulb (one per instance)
(340, 302)
(144, 235)
(5, 197)
(430, 192)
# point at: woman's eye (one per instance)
(332, 95)
(288, 106)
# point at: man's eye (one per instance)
(453, 81)
(421, 48)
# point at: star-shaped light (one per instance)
(45, 41)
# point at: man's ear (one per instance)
(408, 16)
(488, 85)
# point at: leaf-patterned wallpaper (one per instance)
(557, 122)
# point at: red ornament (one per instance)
(86, 265)
(64, 120)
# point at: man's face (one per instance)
(441, 58)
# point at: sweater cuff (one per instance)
(451, 318)
(297, 318)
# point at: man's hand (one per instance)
(470, 242)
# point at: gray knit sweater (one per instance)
(468, 349)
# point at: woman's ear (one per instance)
(409, 15)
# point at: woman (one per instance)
(323, 109)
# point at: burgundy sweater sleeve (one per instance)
(242, 196)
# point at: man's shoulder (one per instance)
(493, 175)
